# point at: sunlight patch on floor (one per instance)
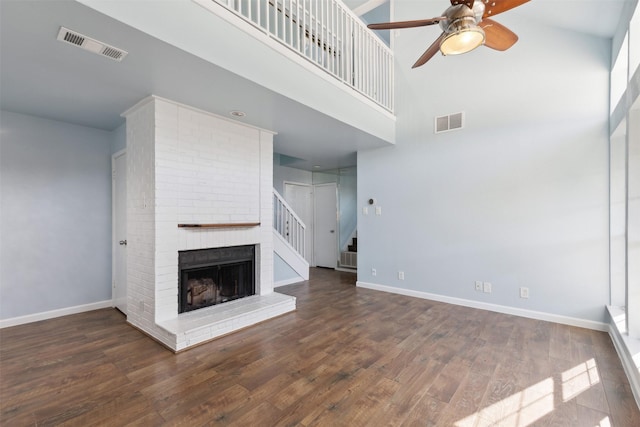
(579, 379)
(520, 409)
(531, 404)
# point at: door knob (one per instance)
(123, 242)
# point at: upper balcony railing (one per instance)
(330, 35)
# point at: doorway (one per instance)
(325, 242)
(119, 227)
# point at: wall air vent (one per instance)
(87, 43)
(451, 122)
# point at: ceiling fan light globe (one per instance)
(462, 41)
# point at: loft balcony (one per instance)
(328, 34)
(308, 66)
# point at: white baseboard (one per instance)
(21, 320)
(538, 315)
(288, 281)
(626, 348)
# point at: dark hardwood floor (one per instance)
(346, 357)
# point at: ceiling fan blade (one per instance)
(405, 24)
(428, 54)
(497, 36)
(469, 3)
(498, 6)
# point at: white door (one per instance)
(325, 225)
(119, 209)
(298, 196)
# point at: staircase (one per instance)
(349, 258)
(289, 237)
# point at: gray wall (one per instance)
(518, 197)
(55, 182)
(119, 138)
(285, 173)
(281, 270)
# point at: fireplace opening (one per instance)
(214, 276)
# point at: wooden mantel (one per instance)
(223, 225)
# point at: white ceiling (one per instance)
(595, 17)
(43, 77)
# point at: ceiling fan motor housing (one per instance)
(478, 10)
(461, 12)
(461, 31)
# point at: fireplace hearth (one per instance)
(215, 276)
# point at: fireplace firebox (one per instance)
(214, 276)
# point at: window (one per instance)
(624, 182)
(619, 74)
(634, 42)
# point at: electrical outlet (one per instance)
(401, 275)
(486, 287)
(478, 285)
(373, 272)
(524, 292)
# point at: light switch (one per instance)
(365, 211)
(378, 210)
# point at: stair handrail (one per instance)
(288, 224)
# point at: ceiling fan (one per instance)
(465, 26)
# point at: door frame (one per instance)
(114, 244)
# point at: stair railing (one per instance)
(288, 224)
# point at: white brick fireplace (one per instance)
(189, 167)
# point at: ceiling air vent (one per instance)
(451, 122)
(87, 43)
